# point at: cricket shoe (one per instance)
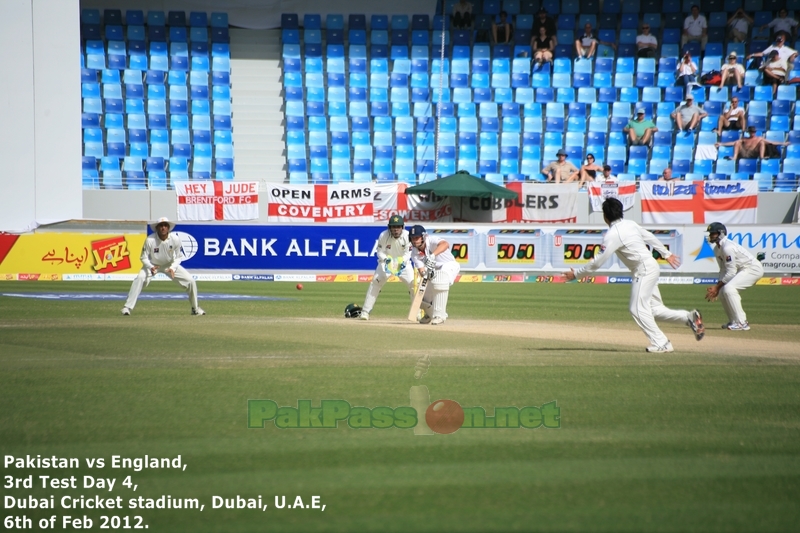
(364, 315)
(667, 348)
(739, 326)
(696, 323)
(437, 320)
(126, 311)
(197, 311)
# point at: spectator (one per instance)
(462, 15)
(543, 46)
(688, 116)
(782, 23)
(666, 175)
(686, 71)
(732, 118)
(586, 45)
(543, 20)
(739, 26)
(732, 72)
(606, 176)
(786, 53)
(640, 130)
(695, 28)
(774, 71)
(502, 31)
(559, 170)
(752, 147)
(588, 171)
(646, 43)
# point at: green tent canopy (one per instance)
(462, 184)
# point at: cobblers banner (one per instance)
(729, 202)
(390, 199)
(217, 200)
(625, 192)
(546, 203)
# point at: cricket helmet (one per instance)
(416, 231)
(352, 311)
(396, 220)
(717, 227)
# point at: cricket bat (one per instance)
(417, 301)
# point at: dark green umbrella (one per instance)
(462, 184)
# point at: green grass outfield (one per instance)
(704, 439)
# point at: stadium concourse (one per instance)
(364, 99)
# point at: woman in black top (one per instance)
(501, 32)
(543, 46)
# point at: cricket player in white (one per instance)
(393, 248)
(628, 240)
(738, 270)
(433, 253)
(162, 253)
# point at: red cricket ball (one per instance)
(299, 286)
(444, 416)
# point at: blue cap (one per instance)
(416, 231)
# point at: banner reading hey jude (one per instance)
(217, 200)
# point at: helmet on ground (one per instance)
(416, 231)
(352, 311)
(396, 220)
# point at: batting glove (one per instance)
(430, 262)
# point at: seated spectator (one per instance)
(686, 71)
(786, 53)
(588, 171)
(559, 170)
(586, 45)
(688, 115)
(753, 147)
(774, 71)
(646, 43)
(695, 28)
(543, 20)
(462, 15)
(503, 30)
(782, 23)
(543, 46)
(640, 130)
(732, 118)
(739, 26)
(606, 176)
(732, 72)
(666, 175)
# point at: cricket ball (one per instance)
(299, 286)
(444, 416)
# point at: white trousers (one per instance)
(646, 307)
(380, 277)
(182, 278)
(729, 294)
(434, 302)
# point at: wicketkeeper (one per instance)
(394, 252)
(428, 253)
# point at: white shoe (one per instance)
(739, 326)
(696, 323)
(437, 320)
(425, 319)
(197, 311)
(126, 311)
(667, 348)
(364, 315)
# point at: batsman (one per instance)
(433, 254)
(394, 253)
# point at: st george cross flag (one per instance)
(217, 200)
(343, 202)
(625, 192)
(390, 199)
(729, 202)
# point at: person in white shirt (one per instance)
(646, 43)
(738, 270)
(162, 252)
(432, 253)
(695, 28)
(733, 118)
(732, 72)
(630, 242)
(785, 53)
(606, 176)
(686, 71)
(739, 26)
(394, 258)
(586, 45)
(783, 22)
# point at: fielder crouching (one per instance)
(433, 253)
(393, 248)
